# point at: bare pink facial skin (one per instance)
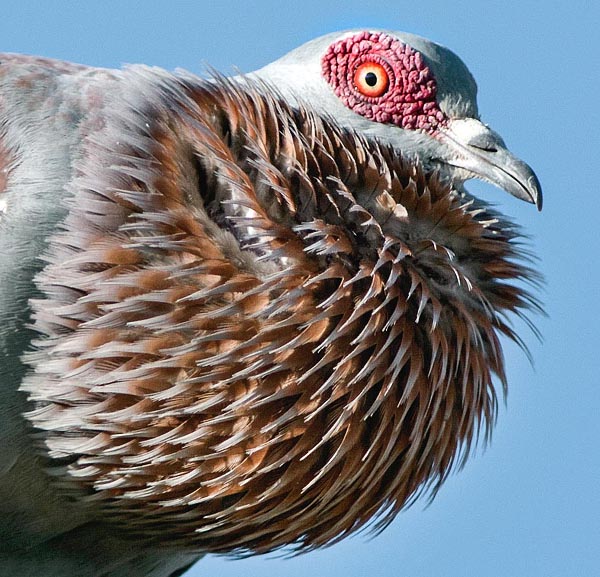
(410, 99)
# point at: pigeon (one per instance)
(245, 313)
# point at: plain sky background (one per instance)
(529, 505)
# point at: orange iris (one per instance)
(371, 79)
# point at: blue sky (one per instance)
(530, 504)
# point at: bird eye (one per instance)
(371, 79)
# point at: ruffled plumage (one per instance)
(257, 329)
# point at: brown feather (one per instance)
(259, 330)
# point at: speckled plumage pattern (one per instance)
(323, 360)
(239, 324)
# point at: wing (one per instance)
(48, 111)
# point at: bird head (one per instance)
(409, 93)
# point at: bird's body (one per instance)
(232, 321)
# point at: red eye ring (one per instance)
(371, 79)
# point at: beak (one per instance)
(481, 152)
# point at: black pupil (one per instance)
(371, 78)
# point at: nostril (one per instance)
(485, 140)
(485, 148)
